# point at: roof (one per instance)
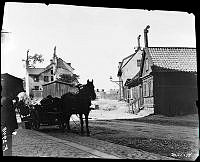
(6, 75)
(62, 64)
(57, 81)
(35, 71)
(134, 81)
(126, 60)
(170, 59)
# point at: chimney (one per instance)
(119, 64)
(54, 53)
(27, 61)
(51, 61)
(138, 38)
(145, 36)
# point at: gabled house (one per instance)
(128, 69)
(169, 80)
(165, 82)
(36, 77)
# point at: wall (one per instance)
(175, 93)
(57, 89)
(131, 68)
(147, 92)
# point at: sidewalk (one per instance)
(30, 143)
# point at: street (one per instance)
(113, 138)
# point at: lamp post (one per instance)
(120, 83)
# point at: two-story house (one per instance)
(36, 77)
(128, 69)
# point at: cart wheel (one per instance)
(36, 125)
(62, 126)
(27, 125)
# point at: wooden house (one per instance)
(37, 77)
(128, 69)
(169, 80)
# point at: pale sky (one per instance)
(93, 39)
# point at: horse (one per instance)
(79, 103)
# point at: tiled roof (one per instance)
(35, 71)
(173, 58)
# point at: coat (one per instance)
(8, 115)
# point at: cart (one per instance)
(40, 115)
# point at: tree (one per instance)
(34, 59)
(68, 78)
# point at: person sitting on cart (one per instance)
(22, 108)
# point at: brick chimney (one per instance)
(145, 36)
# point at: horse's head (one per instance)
(90, 88)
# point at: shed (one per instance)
(11, 85)
(58, 88)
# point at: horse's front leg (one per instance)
(68, 121)
(86, 123)
(81, 120)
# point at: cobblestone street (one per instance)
(30, 143)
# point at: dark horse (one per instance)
(79, 104)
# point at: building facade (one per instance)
(169, 80)
(36, 77)
(128, 68)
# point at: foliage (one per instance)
(68, 78)
(35, 58)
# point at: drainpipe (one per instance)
(138, 38)
(145, 36)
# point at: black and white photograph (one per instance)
(98, 82)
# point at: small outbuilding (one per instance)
(11, 85)
(58, 88)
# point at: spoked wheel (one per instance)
(36, 124)
(62, 126)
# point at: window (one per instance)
(144, 90)
(52, 72)
(36, 78)
(46, 78)
(147, 64)
(51, 78)
(150, 86)
(138, 63)
(36, 87)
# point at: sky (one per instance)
(92, 39)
